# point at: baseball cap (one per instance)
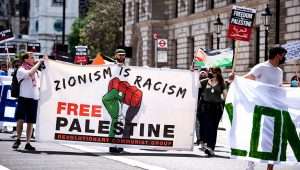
(120, 51)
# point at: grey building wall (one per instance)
(188, 25)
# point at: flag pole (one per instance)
(235, 54)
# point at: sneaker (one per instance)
(29, 147)
(203, 146)
(17, 144)
(197, 142)
(115, 150)
(209, 152)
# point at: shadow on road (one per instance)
(60, 153)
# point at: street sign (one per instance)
(6, 35)
(241, 23)
(7, 49)
(162, 56)
(162, 43)
(34, 47)
(81, 55)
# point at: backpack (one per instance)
(15, 85)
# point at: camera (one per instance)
(42, 66)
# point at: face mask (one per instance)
(210, 75)
(282, 61)
(202, 77)
(294, 83)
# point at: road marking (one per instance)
(3, 168)
(118, 158)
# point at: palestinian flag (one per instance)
(215, 58)
(199, 59)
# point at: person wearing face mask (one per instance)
(199, 120)
(267, 72)
(211, 107)
(295, 81)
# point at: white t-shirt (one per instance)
(266, 73)
(27, 89)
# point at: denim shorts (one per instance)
(26, 110)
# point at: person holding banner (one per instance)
(211, 107)
(4, 70)
(268, 72)
(26, 110)
(120, 60)
(199, 120)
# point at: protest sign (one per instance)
(241, 23)
(6, 35)
(114, 105)
(293, 50)
(81, 56)
(34, 47)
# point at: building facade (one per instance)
(14, 14)
(46, 21)
(189, 25)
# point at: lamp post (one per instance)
(124, 22)
(218, 26)
(266, 19)
(64, 21)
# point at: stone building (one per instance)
(189, 25)
(46, 22)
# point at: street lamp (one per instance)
(266, 18)
(218, 26)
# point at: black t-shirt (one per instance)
(212, 93)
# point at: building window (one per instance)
(231, 1)
(192, 7)
(57, 2)
(210, 4)
(36, 26)
(191, 46)
(143, 9)
(173, 59)
(130, 9)
(257, 45)
(209, 41)
(137, 12)
(176, 8)
(58, 25)
(182, 4)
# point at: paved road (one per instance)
(56, 156)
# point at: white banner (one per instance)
(265, 121)
(293, 50)
(114, 105)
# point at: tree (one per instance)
(74, 37)
(101, 31)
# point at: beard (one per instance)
(120, 60)
(282, 61)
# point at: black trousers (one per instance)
(211, 114)
(201, 121)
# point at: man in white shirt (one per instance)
(268, 72)
(26, 109)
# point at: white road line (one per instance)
(124, 160)
(3, 168)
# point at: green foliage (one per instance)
(100, 29)
(74, 37)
